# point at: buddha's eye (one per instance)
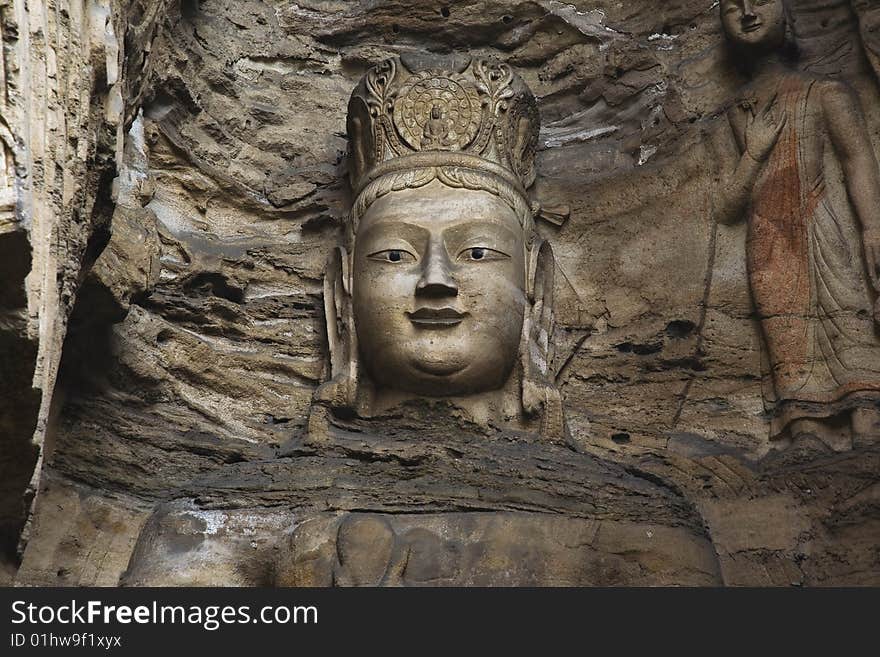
(481, 253)
(393, 256)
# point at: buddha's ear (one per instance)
(540, 396)
(341, 388)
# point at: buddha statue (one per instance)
(443, 288)
(436, 451)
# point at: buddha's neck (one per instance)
(495, 408)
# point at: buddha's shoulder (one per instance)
(185, 544)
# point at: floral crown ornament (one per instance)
(415, 112)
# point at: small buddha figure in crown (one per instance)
(443, 288)
(437, 133)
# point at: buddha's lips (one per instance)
(751, 27)
(436, 317)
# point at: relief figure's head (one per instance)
(754, 27)
(443, 288)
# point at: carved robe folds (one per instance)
(807, 276)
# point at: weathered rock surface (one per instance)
(196, 341)
(69, 92)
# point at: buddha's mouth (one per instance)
(752, 27)
(436, 317)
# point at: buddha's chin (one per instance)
(442, 380)
(438, 354)
(438, 368)
(452, 378)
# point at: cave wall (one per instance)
(196, 340)
(70, 83)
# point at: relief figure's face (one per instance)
(756, 24)
(438, 283)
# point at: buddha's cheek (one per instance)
(381, 298)
(495, 305)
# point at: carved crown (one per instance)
(423, 111)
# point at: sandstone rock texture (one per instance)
(174, 182)
(67, 94)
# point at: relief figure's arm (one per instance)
(849, 134)
(755, 135)
(735, 190)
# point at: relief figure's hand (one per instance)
(763, 128)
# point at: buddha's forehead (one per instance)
(436, 206)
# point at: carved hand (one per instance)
(762, 131)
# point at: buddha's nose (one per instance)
(437, 279)
(748, 9)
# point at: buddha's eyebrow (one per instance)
(482, 229)
(386, 229)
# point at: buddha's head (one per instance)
(443, 288)
(439, 287)
(754, 27)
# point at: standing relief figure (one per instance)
(813, 274)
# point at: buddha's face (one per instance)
(754, 24)
(438, 283)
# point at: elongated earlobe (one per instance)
(540, 396)
(340, 390)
